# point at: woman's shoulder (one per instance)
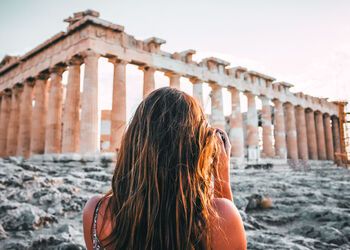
(88, 217)
(228, 230)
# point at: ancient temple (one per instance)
(36, 119)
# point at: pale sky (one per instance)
(303, 42)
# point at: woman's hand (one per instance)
(222, 185)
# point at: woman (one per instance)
(171, 184)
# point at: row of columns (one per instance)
(53, 127)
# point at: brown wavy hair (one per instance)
(161, 194)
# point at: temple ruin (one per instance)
(35, 120)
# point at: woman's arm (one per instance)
(222, 186)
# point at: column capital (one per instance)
(298, 107)
(75, 60)
(249, 94)
(172, 74)
(116, 60)
(214, 85)
(89, 53)
(58, 69)
(44, 75)
(264, 100)
(147, 68)
(30, 81)
(7, 92)
(195, 80)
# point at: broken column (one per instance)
(321, 143)
(118, 114)
(71, 123)
(89, 136)
(5, 110)
(291, 133)
(54, 114)
(311, 134)
(25, 119)
(37, 141)
(329, 137)
(13, 123)
(279, 130)
(267, 127)
(301, 133)
(252, 140)
(236, 135)
(217, 107)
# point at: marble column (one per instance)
(25, 119)
(252, 139)
(336, 139)
(13, 124)
(301, 133)
(291, 133)
(148, 80)
(174, 79)
(311, 134)
(236, 125)
(321, 143)
(118, 115)
(71, 122)
(197, 85)
(329, 137)
(267, 127)
(89, 136)
(54, 114)
(279, 130)
(37, 142)
(217, 107)
(5, 110)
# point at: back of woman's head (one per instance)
(161, 187)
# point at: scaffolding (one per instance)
(344, 123)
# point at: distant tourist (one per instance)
(171, 184)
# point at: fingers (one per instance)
(224, 140)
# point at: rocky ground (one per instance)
(41, 204)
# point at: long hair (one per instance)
(162, 184)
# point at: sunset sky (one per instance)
(306, 43)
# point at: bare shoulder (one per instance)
(227, 229)
(88, 213)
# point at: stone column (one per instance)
(217, 108)
(148, 80)
(321, 143)
(291, 133)
(54, 115)
(252, 139)
(197, 90)
(174, 79)
(267, 127)
(336, 139)
(301, 133)
(236, 125)
(13, 124)
(25, 119)
(329, 137)
(279, 130)
(37, 143)
(89, 137)
(71, 123)
(311, 134)
(4, 120)
(118, 115)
